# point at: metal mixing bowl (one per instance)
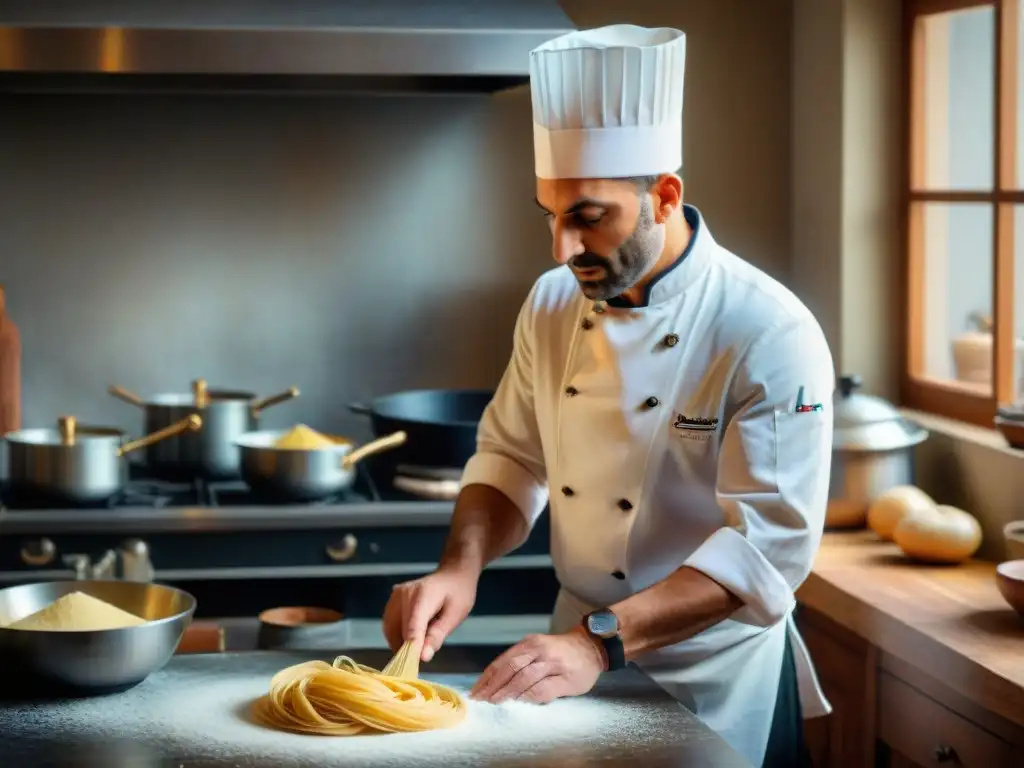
(97, 661)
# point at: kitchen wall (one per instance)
(847, 106)
(349, 245)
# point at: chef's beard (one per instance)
(629, 263)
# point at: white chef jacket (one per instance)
(669, 435)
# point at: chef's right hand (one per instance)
(429, 608)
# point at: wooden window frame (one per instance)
(917, 389)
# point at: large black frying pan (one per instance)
(440, 424)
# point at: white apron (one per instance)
(671, 435)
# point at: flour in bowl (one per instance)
(77, 612)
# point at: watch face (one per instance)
(603, 624)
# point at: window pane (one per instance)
(958, 100)
(956, 263)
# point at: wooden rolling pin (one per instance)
(10, 371)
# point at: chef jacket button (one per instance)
(586, 324)
(671, 340)
(625, 505)
(619, 575)
(571, 391)
(567, 491)
(652, 402)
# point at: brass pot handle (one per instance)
(256, 407)
(123, 394)
(68, 426)
(379, 445)
(200, 393)
(191, 423)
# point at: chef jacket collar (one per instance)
(674, 280)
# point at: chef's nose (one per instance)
(565, 242)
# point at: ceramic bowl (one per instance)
(1013, 535)
(1010, 580)
(300, 628)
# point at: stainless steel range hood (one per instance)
(260, 45)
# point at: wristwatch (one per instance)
(604, 626)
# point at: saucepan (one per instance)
(304, 474)
(77, 464)
(441, 424)
(211, 452)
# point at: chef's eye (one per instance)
(589, 221)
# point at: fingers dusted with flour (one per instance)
(542, 668)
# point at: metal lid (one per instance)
(1011, 412)
(869, 423)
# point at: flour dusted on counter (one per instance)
(77, 612)
(208, 718)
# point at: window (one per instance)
(964, 234)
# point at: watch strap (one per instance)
(614, 650)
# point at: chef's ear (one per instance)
(667, 196)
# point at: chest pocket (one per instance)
(803, 453)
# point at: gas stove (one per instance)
(239, 552)
(150, 504)
(143, 490)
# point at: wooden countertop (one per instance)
(948, 621)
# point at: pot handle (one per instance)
(847, 384)
(379, 445)
(361, 408)
(260, 405)
(192, 423)
(123, 394)
(200, 393)
(68, 426)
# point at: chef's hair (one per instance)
(644, 183)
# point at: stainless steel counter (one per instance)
(193, 714)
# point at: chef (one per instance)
(670, 402)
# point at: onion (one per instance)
(886, 512)
(944, 535)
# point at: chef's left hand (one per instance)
(542, 668)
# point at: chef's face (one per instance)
(610, 232)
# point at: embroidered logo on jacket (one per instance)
(695, 428)
(687, 422)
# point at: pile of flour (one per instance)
(209, 719)
(77, 612)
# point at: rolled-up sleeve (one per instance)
(773, 472)
(509, 455)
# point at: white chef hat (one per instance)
(608, 103)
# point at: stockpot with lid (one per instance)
(872, 451)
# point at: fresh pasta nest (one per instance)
(350, 699)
